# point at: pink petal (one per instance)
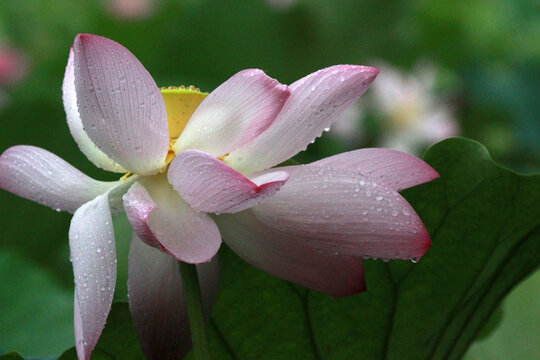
(38, 175)
(163, 220)
(76, 127)
(156, 300)
(291, 257)
(93, 253)
(344, 212)
(120, 105)
(209, 185)
(395, 169)
(316, 101)
(233, 114)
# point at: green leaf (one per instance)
(11, 356)
(36, 316)
(485, 229)
(119, 340)
(517, 335)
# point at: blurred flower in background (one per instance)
(131, 9)
(13, 68)
(281, 4)
(406, 108)
(412, 114)
(349, 128)
(13, 65)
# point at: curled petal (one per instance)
(40, 176)
(233, 114)
(316, 101)
(86, 145)
(120, 105)
(93, 253)
(395, 169)
(163, 220)
(344, 212)
(156, 300)
(209, 185)
(291, 257)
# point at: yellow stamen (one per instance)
(223, 157)
(181, 102)
(126, 175)
(170, 157)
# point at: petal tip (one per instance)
(424, 243)
(86, 37)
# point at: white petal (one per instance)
(93, 253)
(233, 114)
(396, 169)
(344, 212)
(156, 300)
(40, 176)
(316, 101)
(291, 257)
(86, 145)
(162, 219)
(209, 185)
(120, 105)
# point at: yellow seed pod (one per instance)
(181, 102)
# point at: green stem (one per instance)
(192, 293)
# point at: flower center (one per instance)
(181, 103)
(406, 114)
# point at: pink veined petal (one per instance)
(316, 101)
(344, 212)
(120, 105)
(233, 114)
(395, 169)
(86, 145)
(290, 257)
(156, 300)
(93, 253)
(38, 175)
(163, 220)
(209, 185)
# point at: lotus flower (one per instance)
(193, 154)
(13, 65)
(411, 113)
(415, 116)
(131, 9)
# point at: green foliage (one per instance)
(119, 340)
(36, 307)
(11, 356)
(517, 334)
(485, 229)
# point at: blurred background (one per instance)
(449, 68)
